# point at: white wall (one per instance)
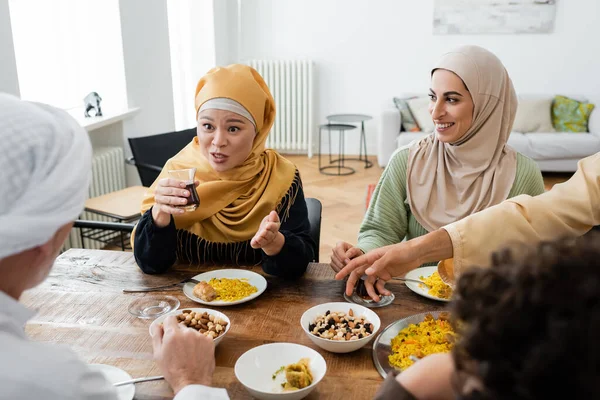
(226, 31)
(9, 81)
(146, 54)
(192, 42)
(147, 60)
(366, 52)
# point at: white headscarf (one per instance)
(45, 170)
(222, 103)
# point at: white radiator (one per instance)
(108, 175)
(291, 83)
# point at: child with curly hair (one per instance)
(527, 329)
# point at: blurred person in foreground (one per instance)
(45, 159)
(526, 329)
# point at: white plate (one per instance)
(253, 278)
(218, 314)
(255, 369)
(114, 375)
(422, 289)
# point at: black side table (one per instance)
(341, 168)
(356, 118)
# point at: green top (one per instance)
(389, 219)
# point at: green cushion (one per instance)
(570, 115)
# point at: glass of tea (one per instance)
(360, 296)
(187, 176)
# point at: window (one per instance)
(65, 49)
(192, 42)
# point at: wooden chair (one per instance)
(122, 207)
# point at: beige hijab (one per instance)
(449, 181)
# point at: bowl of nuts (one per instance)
(340, 327)
(209, 322)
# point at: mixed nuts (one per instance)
(341, 326)
(204, 323)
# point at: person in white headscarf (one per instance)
(45, 164)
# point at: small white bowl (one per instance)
(255, 369)
(218, 314)
(336, 346)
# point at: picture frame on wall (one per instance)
(464, 17)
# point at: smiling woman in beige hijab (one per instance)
(463, 167)
(449, 181)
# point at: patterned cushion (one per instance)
(409, 124)
(570, 115)
(419, 106)
(534, 114)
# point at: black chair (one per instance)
(103, 230)
(150, 153)
(314, 216)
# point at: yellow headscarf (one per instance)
(234, 202)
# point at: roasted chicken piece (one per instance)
(205, 292)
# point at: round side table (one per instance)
(339, 162)
(355, 118)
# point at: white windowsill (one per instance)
(108, 117)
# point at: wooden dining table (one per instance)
(81, 305)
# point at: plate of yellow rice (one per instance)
(232, 286)
(418, 335)
(437, 289)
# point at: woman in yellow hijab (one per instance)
(252, 208)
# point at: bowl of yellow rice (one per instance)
(412, 338)
(232, 286)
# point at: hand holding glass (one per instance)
(187, 176)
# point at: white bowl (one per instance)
(218, 314)
(336, 346)
(255, 369)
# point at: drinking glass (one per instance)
(361, 297)
(187, 176)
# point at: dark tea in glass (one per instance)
(187, 176)
(192, 201)
(361, 296)
(361, 289)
